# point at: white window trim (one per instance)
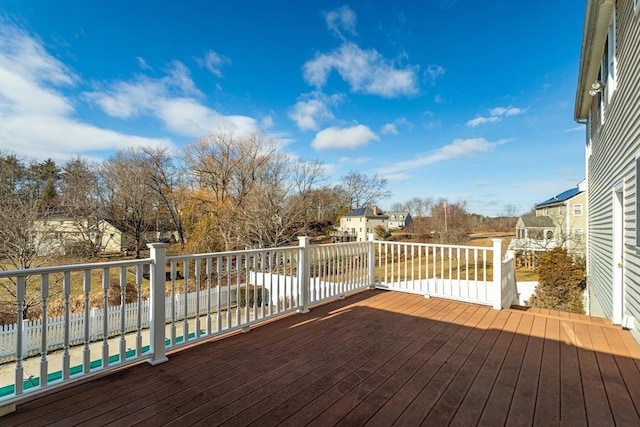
(611, 61)
(636, 6)
(575, 206)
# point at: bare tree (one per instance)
(244, 192)
(450, 221)
(23, 227)
(128, 200)
(80, 200)
(364, 190)
(165, 179)
(223, 172)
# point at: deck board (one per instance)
(377, 358)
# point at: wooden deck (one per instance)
(377, 358)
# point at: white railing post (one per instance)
(303, 274)
(497, 273)
(371, 260)
(157, 279)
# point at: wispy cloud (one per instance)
(213, 62)
(313, 109)
(433, 72)
(37, 117)
(354, 160)
(143, 64)
(341, 19)
(458, 148)
(341, 138)
(392, 128)
(366, 71)
(495, 115)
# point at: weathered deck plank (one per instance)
(378, 358)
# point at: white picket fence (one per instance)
(55, 326)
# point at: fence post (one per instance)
(303, 274)
(497, 273)
(372, 260)
(157, 282)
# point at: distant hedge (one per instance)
(254, 297)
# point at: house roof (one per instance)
(596, 24)
(537, 221)
(560, 198)
(398, 214)
(366, 212)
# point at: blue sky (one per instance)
(465, 99)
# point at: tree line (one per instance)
(220, 192)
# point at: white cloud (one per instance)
(433, 72)
(37, 118)
(496, 115)
(213, 62)
(458, 148)
(439, 99)
(143, 64)
(313, 109)
(173, 99)
(354, 160)
(350, 138)
(389, 129)
(482, 120)
(366, 71)
(392, 128)
(340, 19)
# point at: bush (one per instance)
(561, 283)
(255, 297)
(130, 295)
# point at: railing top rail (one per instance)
(228, 253)
(436, 245)
(339, 244)
(73, 267)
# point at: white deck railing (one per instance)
(224, 292)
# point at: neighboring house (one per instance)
(568, 212)
(608, 102)
(558, 221)
(62, 234)
(359, 222)
(534, 233)
(399, 220)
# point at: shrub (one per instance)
(561, 283)
(254, 297)
(130, 295)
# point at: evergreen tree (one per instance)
(561, 283)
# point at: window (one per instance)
(636, 5)
(546, 212)
(609, 61)
(577, 209)
(577, 234)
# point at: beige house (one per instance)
(558, 221)
(62, 235)
(359, 222)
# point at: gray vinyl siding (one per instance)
(614, 147)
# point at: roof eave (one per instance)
(596, 24)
